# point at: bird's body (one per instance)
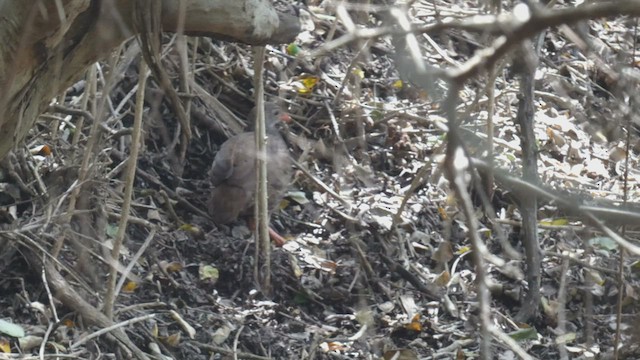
(233, 173)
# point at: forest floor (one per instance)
(378, 267)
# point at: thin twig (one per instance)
(111, 294)
(134, 261)
(263, 246)
(562, 314)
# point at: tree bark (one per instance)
(45, 48)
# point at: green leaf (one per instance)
(11, 329)
(298, 196)
(209, 273)
(293, 49)
(111, 230)
(604, 243)
(524, 334)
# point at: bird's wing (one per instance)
(223, 163)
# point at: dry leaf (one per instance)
(130, 287)
(444, 253)
(5, 346)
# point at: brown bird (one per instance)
(234, 173)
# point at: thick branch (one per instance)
(44, 49)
